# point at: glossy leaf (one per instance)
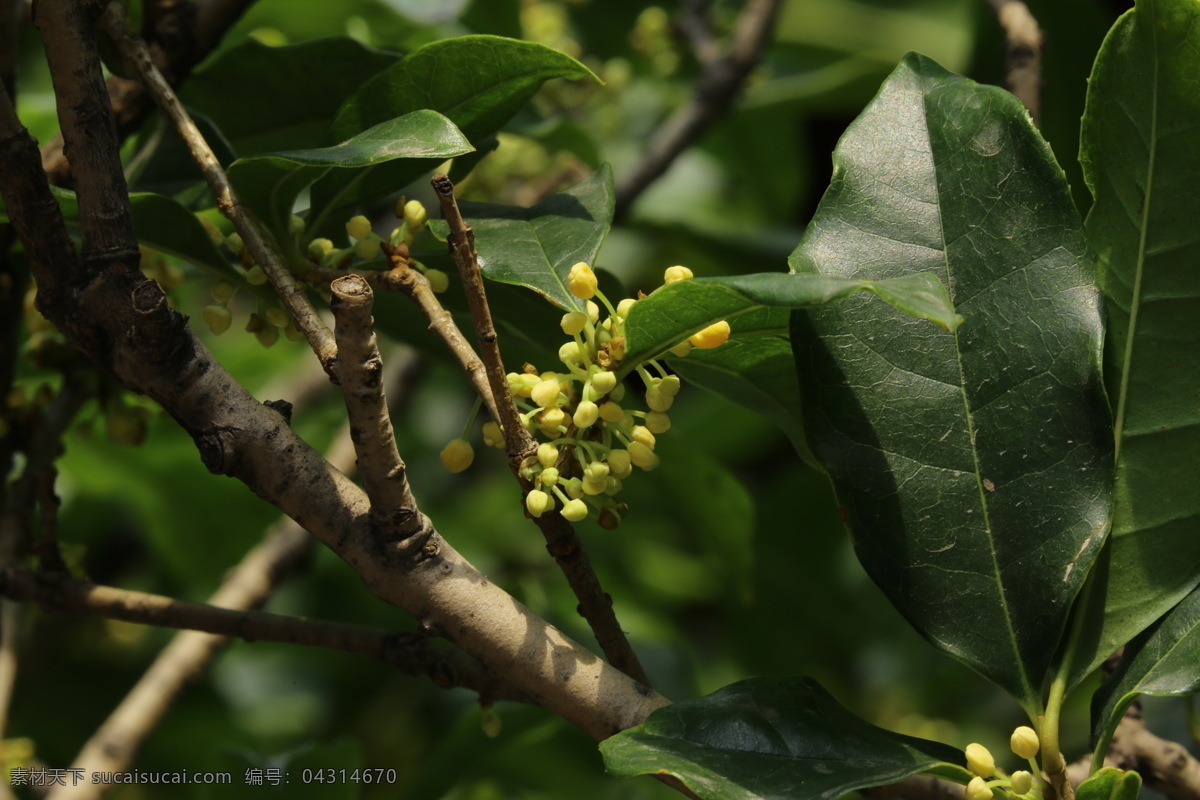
(974, 465)
(1141, 153)
(281, 98)
(1110, 783)
(1165, 660)
(537, 246)
(479, 82)
(674, 312)
(773, 739)
(270, 183)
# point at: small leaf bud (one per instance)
(573, 322)
(1024, 742)
(642, 456)
(218, 318)
(222, 291)
(714, 335)
(278, 317)
(611, 412)
(493, 436)
(644, 435)
(538, 502)
(549, 476)
(669, 385)
(581, 280)
(978, 789)
(255, 276)
(545, 394)
(657, 422)
(675, 274)
(624, 306)
(415, 215)
(358, 228)
(603, 382)
(1022, 781)
(457, 455)
(619, 463)
(657, 401)
(438, 280)
(980, 761)
(586, 414)
(547, 454)
(682, 349)
(575, 510)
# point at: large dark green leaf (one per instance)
(974, 465)
(270, 183)
(282, 98)
(1165, 660)
(676, 311)
(1141, 155)
(479, 82)
(537, 246)
(774, 739)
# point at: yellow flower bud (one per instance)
(1024, 742)
(438, 280)
(714, 335)
(218, 318)
(611, 412)
(538, 502)
(547, 454)
(234, 243)
(581, 280)
(1022, 781)
(255, 276)
(593, 311)
(674, 274)
(415, 215)
(573, 488)
(656, 400)
(358, 228)
(222, 291)
(573, 322)
(458, 455)
(644, 435)
(493, 436)
(594, 486)
(545, 394)
(595, 470)
(571, 354)
(320, 247)
(657, 422)
(551, 420)
(278, 317)
(669, 385)
(586, 414)
(978, 789)
(367, 248)
(624, 307)
(619, 463)
(603, 383)
(549, 476)
(980, 761)
(574, 510)
(682, 349)
(268, 336)
(642, 456)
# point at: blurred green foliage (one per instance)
(732, 561)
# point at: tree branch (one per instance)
(1023, 53)
(258, 240)
(150, 348)
(563, 543)
(714, 93)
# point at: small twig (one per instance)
(360, 369)
(257, 239)
(563, 543)
(1023, 53)
(461, 240)
(49, 558)
(715, 91)
(693, 22)
(411, 653)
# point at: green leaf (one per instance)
(774, 739)
(974, 465)
(281, 98)
(1110, 783)
(1165, 660)
(676, 311)
(479, 82)
(537, 246)
(1140, 154)
(270, 183)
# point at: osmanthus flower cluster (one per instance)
(1021, 783)
(268, 320)
(593, 434)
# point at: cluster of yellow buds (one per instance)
(1025, 744)
(365, 242)
(593, 438)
